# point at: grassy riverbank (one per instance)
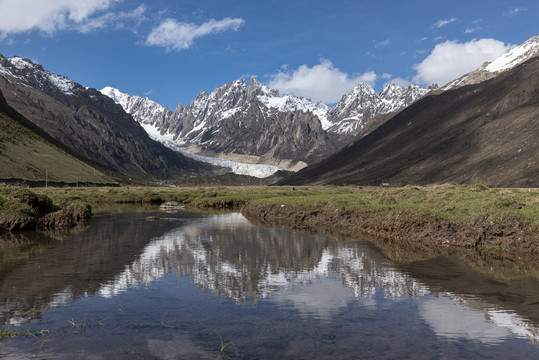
(446, 215)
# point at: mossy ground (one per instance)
(421, 216)
(448, 201)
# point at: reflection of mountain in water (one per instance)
(76, 266)
(233, 258)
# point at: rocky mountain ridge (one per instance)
(354, 111)
(483, 133)
(239, 119)
(88, 122)
(274, 128)
(511, 58)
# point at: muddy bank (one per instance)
(23, 210)
(419, 231)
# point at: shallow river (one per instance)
(201, 286)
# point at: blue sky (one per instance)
(171, 50)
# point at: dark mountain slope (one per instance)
(27, 153)
(484, 133)
(88, 122)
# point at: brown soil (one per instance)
(69, 216)
(421, 232)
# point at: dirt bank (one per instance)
(24, 210)
(419, 230)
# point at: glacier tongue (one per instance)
(256, 170)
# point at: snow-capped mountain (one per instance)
(354, 111)
(144, 110)
(507, 61)
(207, 108)
(239, 119)
(88, 122)
(273, 128)
(31, 74)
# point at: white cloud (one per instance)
(323, 82)
(112, 19)
(175, 35)
(514, 11)
(451, 59)
(399, 81)
(381, 44)
(19, 16)
(441, 23)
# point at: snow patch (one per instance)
(155, 134)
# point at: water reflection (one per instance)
(454, 318)
(235, 259)
(231, 258)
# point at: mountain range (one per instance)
(483, 133)
(277, 130)
(89, 123)
(481, 127)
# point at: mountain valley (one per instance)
(400, 135)
(89, 123)
(287, 131)
(485, 133)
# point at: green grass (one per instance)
(24, 155)
(448, 201)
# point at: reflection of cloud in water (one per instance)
(320, 299)
(454, 318)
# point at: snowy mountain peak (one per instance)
(511, 58)
(142, 109)
(114, 94)
(22, 63)
(514, 56)
(357, 108)
(391, 90)
(31, 74)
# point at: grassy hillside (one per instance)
(27, 156)
(92, 126)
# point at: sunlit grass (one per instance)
(448, 201)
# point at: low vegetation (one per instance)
(22, 210)
(24, 156)
(447, 215)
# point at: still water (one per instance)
(201, 286)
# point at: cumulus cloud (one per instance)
(19, 16)
(323, 82)
(174, 35)
(452, 59)
(443, 22)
